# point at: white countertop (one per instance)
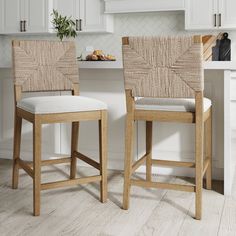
(100, 64)
(220, 65)
(208, 65)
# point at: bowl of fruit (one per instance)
(98, 55)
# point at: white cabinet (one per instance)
(25, 16)
(200, 14)
(11, 15)
(37, 15)
(210, 14)
(88, 14)
(34, 16)
(1, 16)
(67, 7)
(227, 9)
(129, 6)
(93, 17)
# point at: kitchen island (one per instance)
(104, 81)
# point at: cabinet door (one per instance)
(1, 16)
(201, 14)
(36, 15)
(67, 7)
(11, 15)
(227, 11)
(93, 17)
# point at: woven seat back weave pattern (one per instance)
(164, 67)
(44, 65)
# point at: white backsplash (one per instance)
(159, 23)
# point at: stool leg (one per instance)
(149, 150)
(199, 132)
(74, 146)
(208, 145)
(16, 151)
(37, 165)
(128, 159)
(103, 155)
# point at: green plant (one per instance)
(65, 26)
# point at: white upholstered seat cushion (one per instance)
(169, 104)
(60, 104)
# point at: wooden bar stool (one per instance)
(164, 82)
(51, 66)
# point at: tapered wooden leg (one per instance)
(149, 150)
(37, 165)
(16, 151)
(199, 136)
(103, 155)
(74, 146)
(129, 132)
(208, 148)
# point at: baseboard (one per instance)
(217, 173)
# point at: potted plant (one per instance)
(65, 27)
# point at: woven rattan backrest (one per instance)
(165, 67)
(44, 65)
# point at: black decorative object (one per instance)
(216, 51)
(225, 48)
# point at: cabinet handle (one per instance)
(21, 26)
(220, 20)
(24, 25)
(77, 25)
(80, 24)
(214, 20)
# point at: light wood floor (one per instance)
(77, 211)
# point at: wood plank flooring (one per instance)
(77, 210)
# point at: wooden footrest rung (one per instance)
(161, 185)
(70, 182)
(205, 165)
(56, 161)
(50, 161)
(173, 163)
(138, 163)
(26, 167)
(88, 160)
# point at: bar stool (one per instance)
(164, 82)
(51, 66)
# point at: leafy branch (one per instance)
(65, 26)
